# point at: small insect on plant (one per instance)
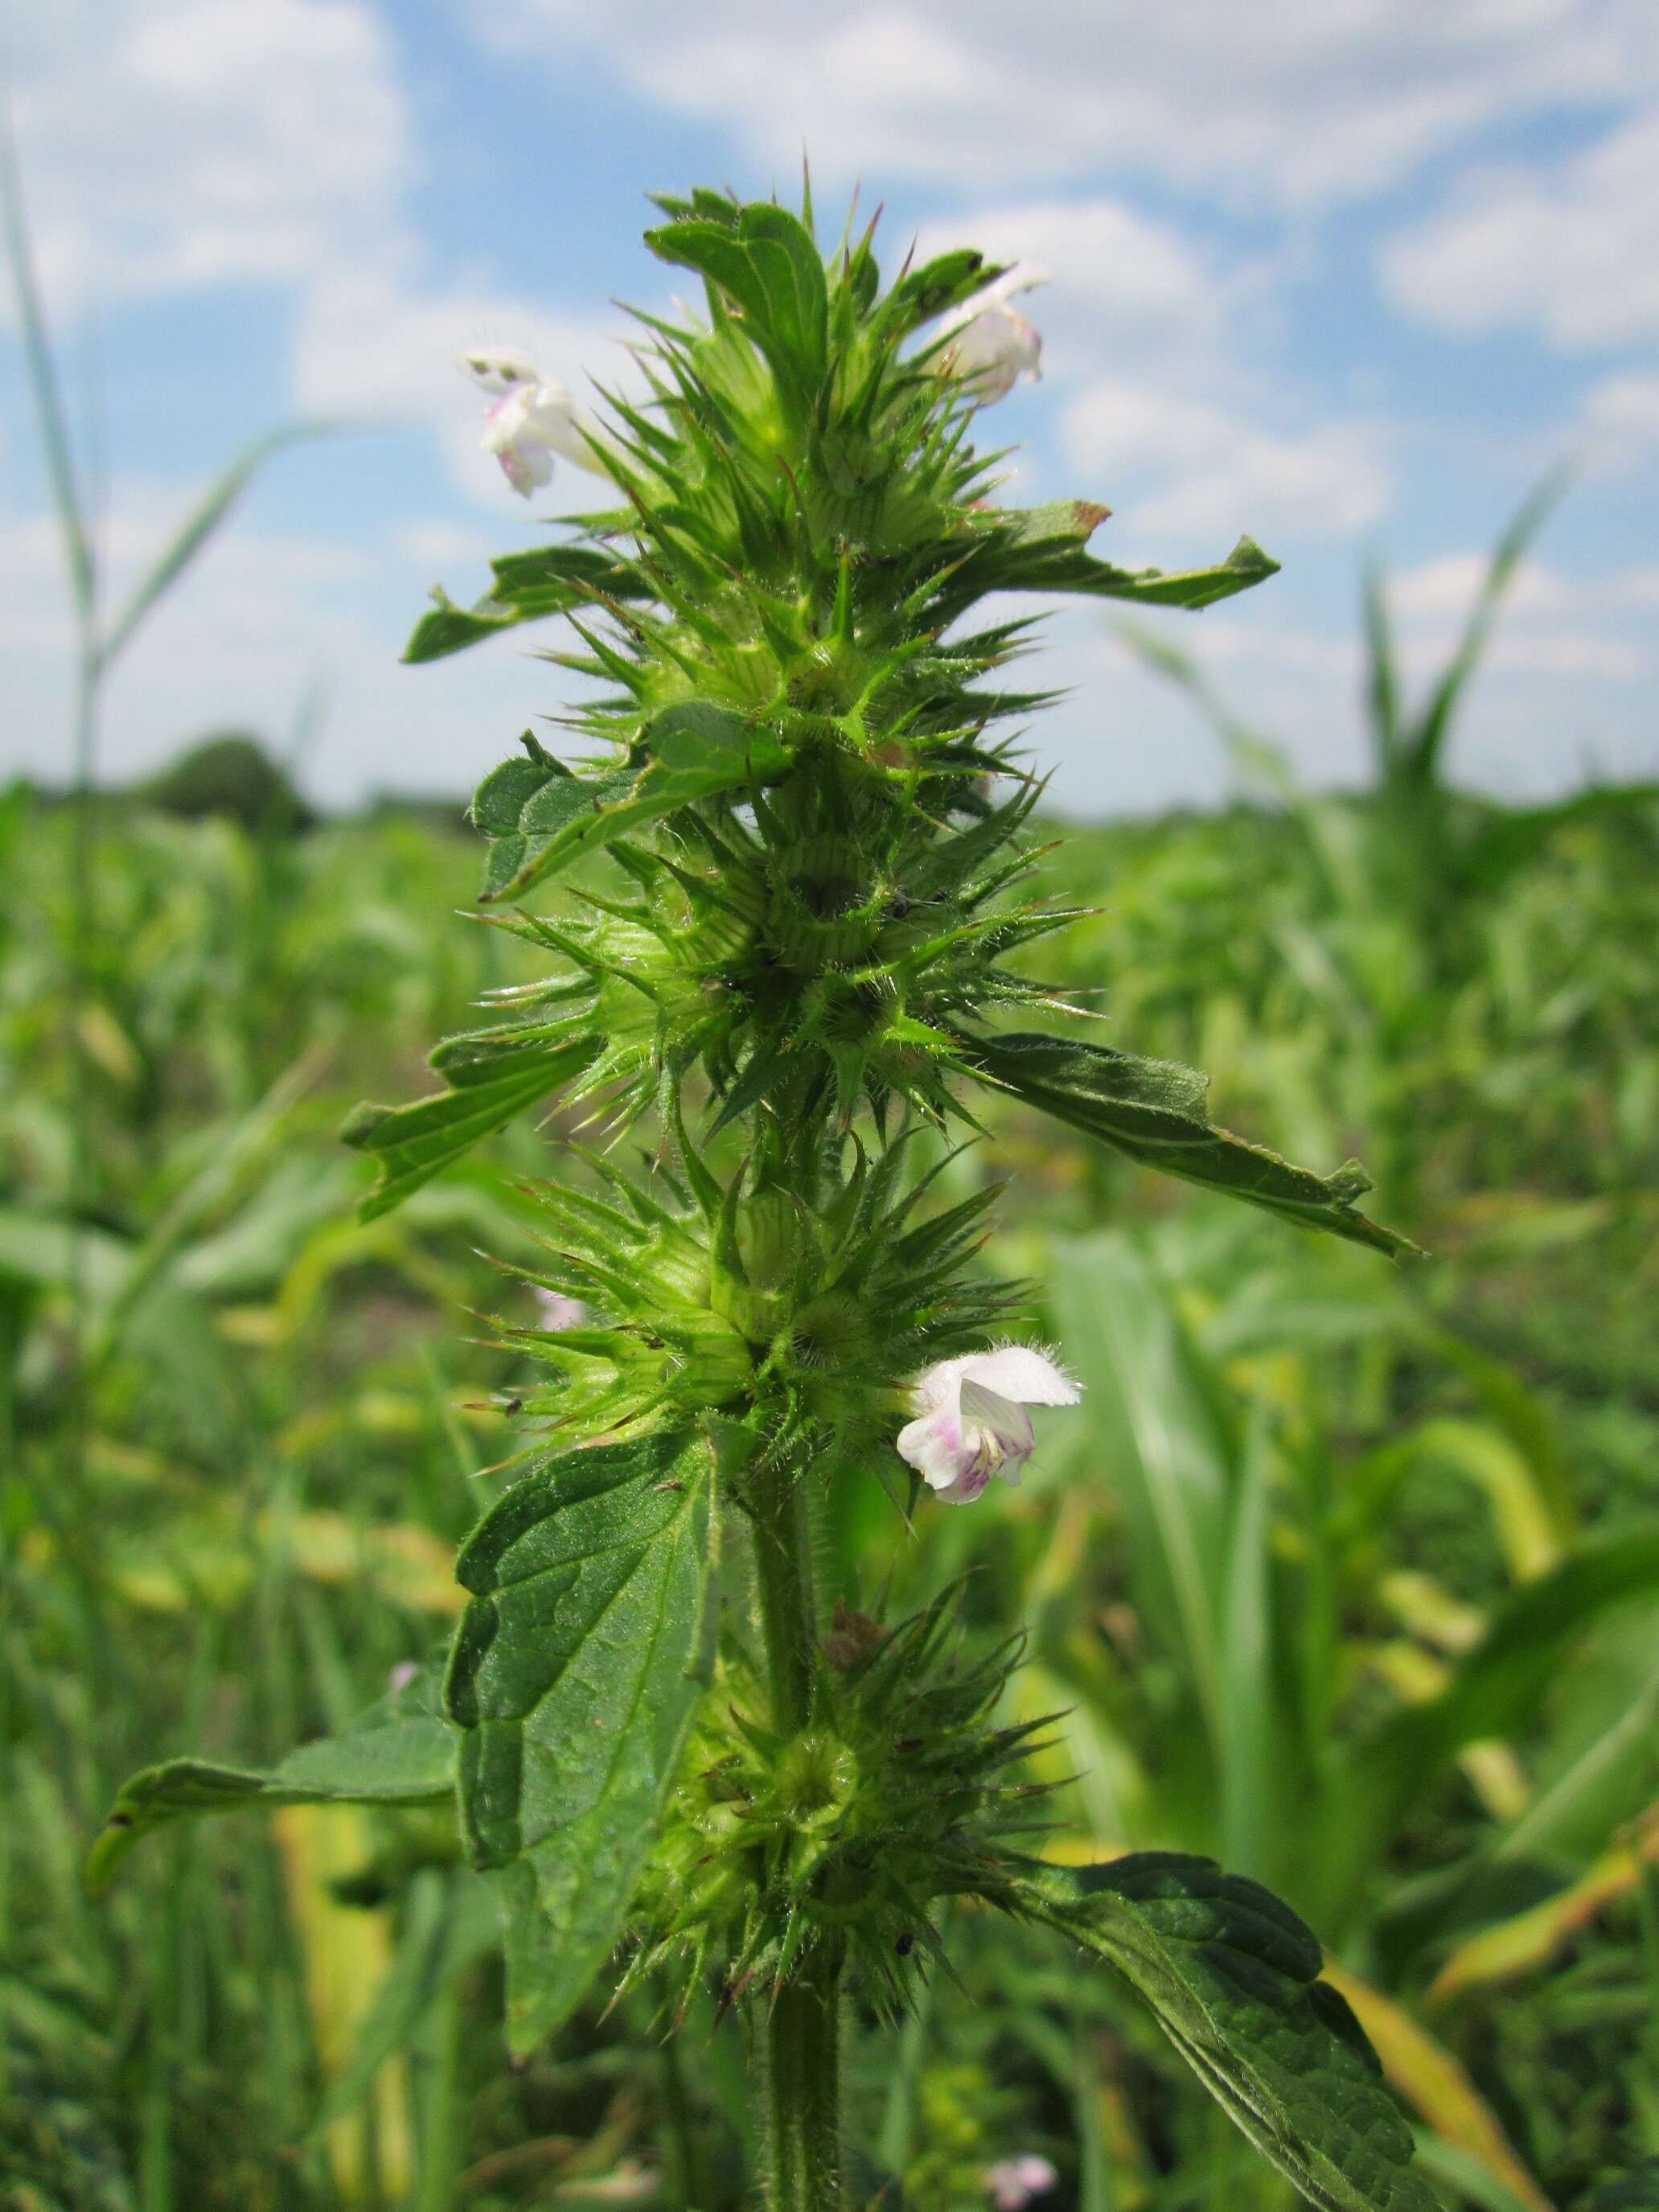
(780, 899)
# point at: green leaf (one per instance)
(1043, 549)
(1495, 1689)
(1232, 1977)
(1153, 1110)
(933, 289)
(549, 581)
(770, 270)
(573, 1677)
(401, 1752)
(493, 1075)
(45, 1249)
(1153, 1420)
(692, 751)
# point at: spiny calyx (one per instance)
(900, 1789)
(803, 1300)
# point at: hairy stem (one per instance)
(803, 2079)
(797, 2038)
(783, 1568)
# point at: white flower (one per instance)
(971, 1421)
(1011, 2182)
(499, 368)
(533, 418)
(554, 1310)
(991, 346)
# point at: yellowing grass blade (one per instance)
(1531, 1938)
(348, 1954)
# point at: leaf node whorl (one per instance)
(901, 1791)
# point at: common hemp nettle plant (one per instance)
(795, 959)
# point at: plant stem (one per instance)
(783, 1566)
(798, 2038)
(803, 2079)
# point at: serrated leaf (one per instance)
(551, 579)
(1232, 1978)
(1043, 549)
(401, 1752)
(573, 1677)
(692, 751)
(506, 790)
(1430, 2078)
(1153, 1110)
(493, 1075)
(768, 266)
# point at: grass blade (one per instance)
(197, 527)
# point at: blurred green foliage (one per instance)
(1349, 1574)
(229, 774)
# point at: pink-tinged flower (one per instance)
(554, 1310)
(533, 418)
(401, 1676)
(1011, 2182)
(971, 1421)
(990, 346)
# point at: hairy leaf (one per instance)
(572, 1680)
(539, 816)
(401, 1752)
(1232, 1977)
(768, 266)
(493, 1075)
(1044, 549)
(938, 285)
(1153, 1110)
(551, 579)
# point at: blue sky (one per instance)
(1345, 274)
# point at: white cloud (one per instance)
(1443, 589)
(1299, 103)
(1573, 248)
(171, 144)
(445, 544)
(1571, 654)
(1550, 624)
(1187, 469)
(1130, 281)
(1621, 417)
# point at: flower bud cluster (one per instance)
(902, 1791)
(801, 1303)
